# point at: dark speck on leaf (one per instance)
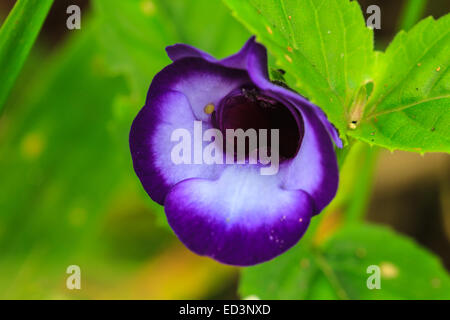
(280, 83)
(432, 129)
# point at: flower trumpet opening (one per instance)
(248, 108)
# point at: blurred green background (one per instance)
(68, 193)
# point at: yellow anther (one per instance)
(209, 108)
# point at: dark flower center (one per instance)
(248, 108)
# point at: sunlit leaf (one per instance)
(410, 103)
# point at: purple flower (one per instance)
(232, 212)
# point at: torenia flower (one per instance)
(228, 208)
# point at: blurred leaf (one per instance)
(205, 24)
(64, 162)
(324, 44)
(17, 36)
(407, 270)
(409, 106)
(132, 36)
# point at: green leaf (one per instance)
(324, 44)
(409, 106)
(338, 268)
(17, 36)
(408, 271)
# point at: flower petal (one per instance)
(236, 61)
(314, 169)
(242, 218)
(180, 50)
(202, 82)
(150, 144)
(176, 99)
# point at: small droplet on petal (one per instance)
(209, 108)
(269, 30)
(300, 220)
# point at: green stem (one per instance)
(412, 12)
(17, 35)
(362, 187)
